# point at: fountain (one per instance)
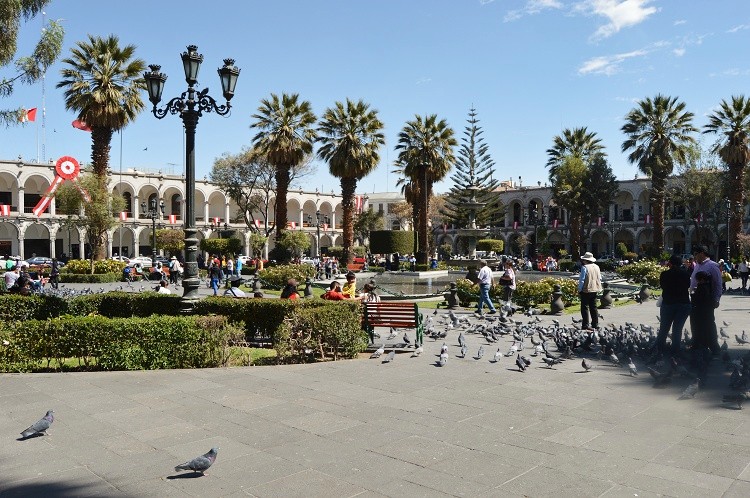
(470, 235)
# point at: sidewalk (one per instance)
(365, 428)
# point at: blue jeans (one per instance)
(674, 316)
(484, 297)
(215, 285)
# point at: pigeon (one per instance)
(551, 361)
(418, 351)
(738, 398)
(391, 335)
(586, 365)
(631, 367)
(390, 356)
(443, 359)
(660, 378)
(406, 338)
(498, 355)
(520, 364)
(40, 427)
(726, 323)
(378, 352)
(444, 348)
(691, 390)
(740, 340)
(461, 339)
(576, 320)
(480, 353)
(464, 350)
(199, 464)
(723, 333)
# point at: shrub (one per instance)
(491, 245)
(647, 271)
(530, 294)
(277, 276)
(87, 278)
(630, 256)
(116, 344)
(468, 291)
(390, 241)
(14, 307)
(125, 304)
(566, 264)
(83, 266)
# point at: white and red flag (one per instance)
(173, 218)
(123, 216)
(28, 115)
(5, 210)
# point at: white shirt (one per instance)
(164, 290)
(485, 275)
(10, 279)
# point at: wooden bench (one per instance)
(393, 314)
(355, 267)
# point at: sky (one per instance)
(530, 68)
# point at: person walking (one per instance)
(704, 264)
(485, 282)
(238, 267)
(589, 284)
(54, 274)
(214, 274)
(508, 281)
(675, 306)
(744, 270)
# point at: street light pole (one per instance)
(153, 214)
(729, 221)
(190, 106)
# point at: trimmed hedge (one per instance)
(79, 278)
(83, 266)
(277, 276)
(526, 294)
(647, 271)
(116, 344)
(390, 241)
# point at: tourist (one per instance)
(744, 270)
(54, 274)
(163, 289)
(703, 263)
(334, 292)
(290, 290)
(508, 281)
(675, 305)
(328, 266)
(485, 282)
(174, 269)
(368, 294)
(350, 287)
(238, 267)
(214, 276)
(230, 268)
(10, 277)
(589, 284)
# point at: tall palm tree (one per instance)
(659, 133)
(103, 84)
(425, 147)
(733, 120)
(285, 136)
(578, 142)
(351, 135)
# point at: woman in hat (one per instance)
(589, 284)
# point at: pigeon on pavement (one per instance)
(390, 356)
(631, 367)
(480, 353)
(199, 464)
(586, 365)
(41, 426)
(520, 364)
(738, 398)
(691, 390)
(406, 338)
(378, 352)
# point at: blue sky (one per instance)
(529, 67)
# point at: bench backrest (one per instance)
(390, 314)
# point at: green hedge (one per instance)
(390, 241)
(83, 266)
(488, 245)
(277, 276)
(116, 344)
(642, 271)
(79, 278)
(526, 294)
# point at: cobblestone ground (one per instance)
(367, 428)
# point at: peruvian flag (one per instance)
(123, 215)
(81, 125)
(515, 225)
(555, 222)
(28, 115)
(217, 220)
(257, 223)
(5, 210)
(599, 221)
(173, 218)
(359, 201)
(648, 218)
(293, 224)
(325, 226)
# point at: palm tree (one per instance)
(658, 135)
(103, 85)
(426, 156)
(351, 135)
(285, 137)
(578, 142)
(733, 120)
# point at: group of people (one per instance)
(485, 277)
(336, 292)
(18, 278)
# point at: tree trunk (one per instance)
(737, 196)
(282, 187)
(575, 235)
(100, 149)
(424, 242)
(658, 185)
(348, 188)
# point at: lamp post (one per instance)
(613, 227)
(218, 228)
(729, 220)
(537, 221)
(190, 106)
(153, 213)
(319, 219)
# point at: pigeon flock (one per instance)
(531, 339)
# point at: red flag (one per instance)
(28, 115)
(173, 218)
(217, 220)
(123, 215)
(554, 223)
(4, 209)
(515, 225)
(257, 223)
(325, 226)
(293, 224)
(81, 125)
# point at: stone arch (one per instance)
(123, 241)
(36, 240)
(216, 206)
(9, 237)
(308, 213)
(627, 238)
(675, 240)
(173, 202)
(293, 211)
(9, 190)
(34, 188)
(199, 204)
(644, 240)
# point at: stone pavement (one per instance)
(364, 428)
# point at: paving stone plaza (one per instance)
(365, 428)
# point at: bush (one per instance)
(390, 241)
(630, 256)
(529, 294)
(277, 276)
(83, 267)
(565, 264)
(491, 245)
(116, 344)
(647, 271)
(14, 307)
(468, 291)
(87, 278)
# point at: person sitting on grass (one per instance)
(334, 292)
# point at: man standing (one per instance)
(675, 306)
(589, 284)
(54, 275)
(485, 282)
(703, 263)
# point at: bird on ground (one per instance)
(691, 390)
(40, 427)
(390, 356)
(660, 378)
(444, 348)
(434, 312)
(391, 335)
(724, 345)
(464, 350)
(406, 338)
(199, 464)
(418, 351)
(576, 320)
(551, 361)
(586, 365)
(726, 323)
(738, 398)
(740, 340)
(461, 339)
(378, 352)
(443, 359)
(631, 367)
(520, 364)
(723, 333)
(480, 353)
(498, 355)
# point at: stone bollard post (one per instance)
(308, 288)
(606, 298)
(256, 283)
(557, 306)
(645, 293)
(451, 296)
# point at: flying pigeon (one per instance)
(378, 352)
(199, 464)
(586, 365)
(390, 356)
(41, 426)
(631, 367)
(738, 398)
(691, 390)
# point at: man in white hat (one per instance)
(589, 284)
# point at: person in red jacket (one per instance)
(290, 291)
(334, 292)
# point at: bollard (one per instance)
(644, 293)
(256, 283)
(556, 306)
(606, 297)
(451, 296)
(308, 288)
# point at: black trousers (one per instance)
(589, 313)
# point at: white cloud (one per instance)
(530, 8)
(679, 21)
(423, 80)
(608, 64)
(620, 14)
(739, 27)
(485, 2)
(679, 52)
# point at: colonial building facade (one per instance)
(24, 232)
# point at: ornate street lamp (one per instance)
(319, 220)
(613, 227)
(191, 105)
(729, 220)
(153, 214)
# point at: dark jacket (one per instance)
(675, 283)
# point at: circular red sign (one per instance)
(67, 168)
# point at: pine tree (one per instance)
(474, 167)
